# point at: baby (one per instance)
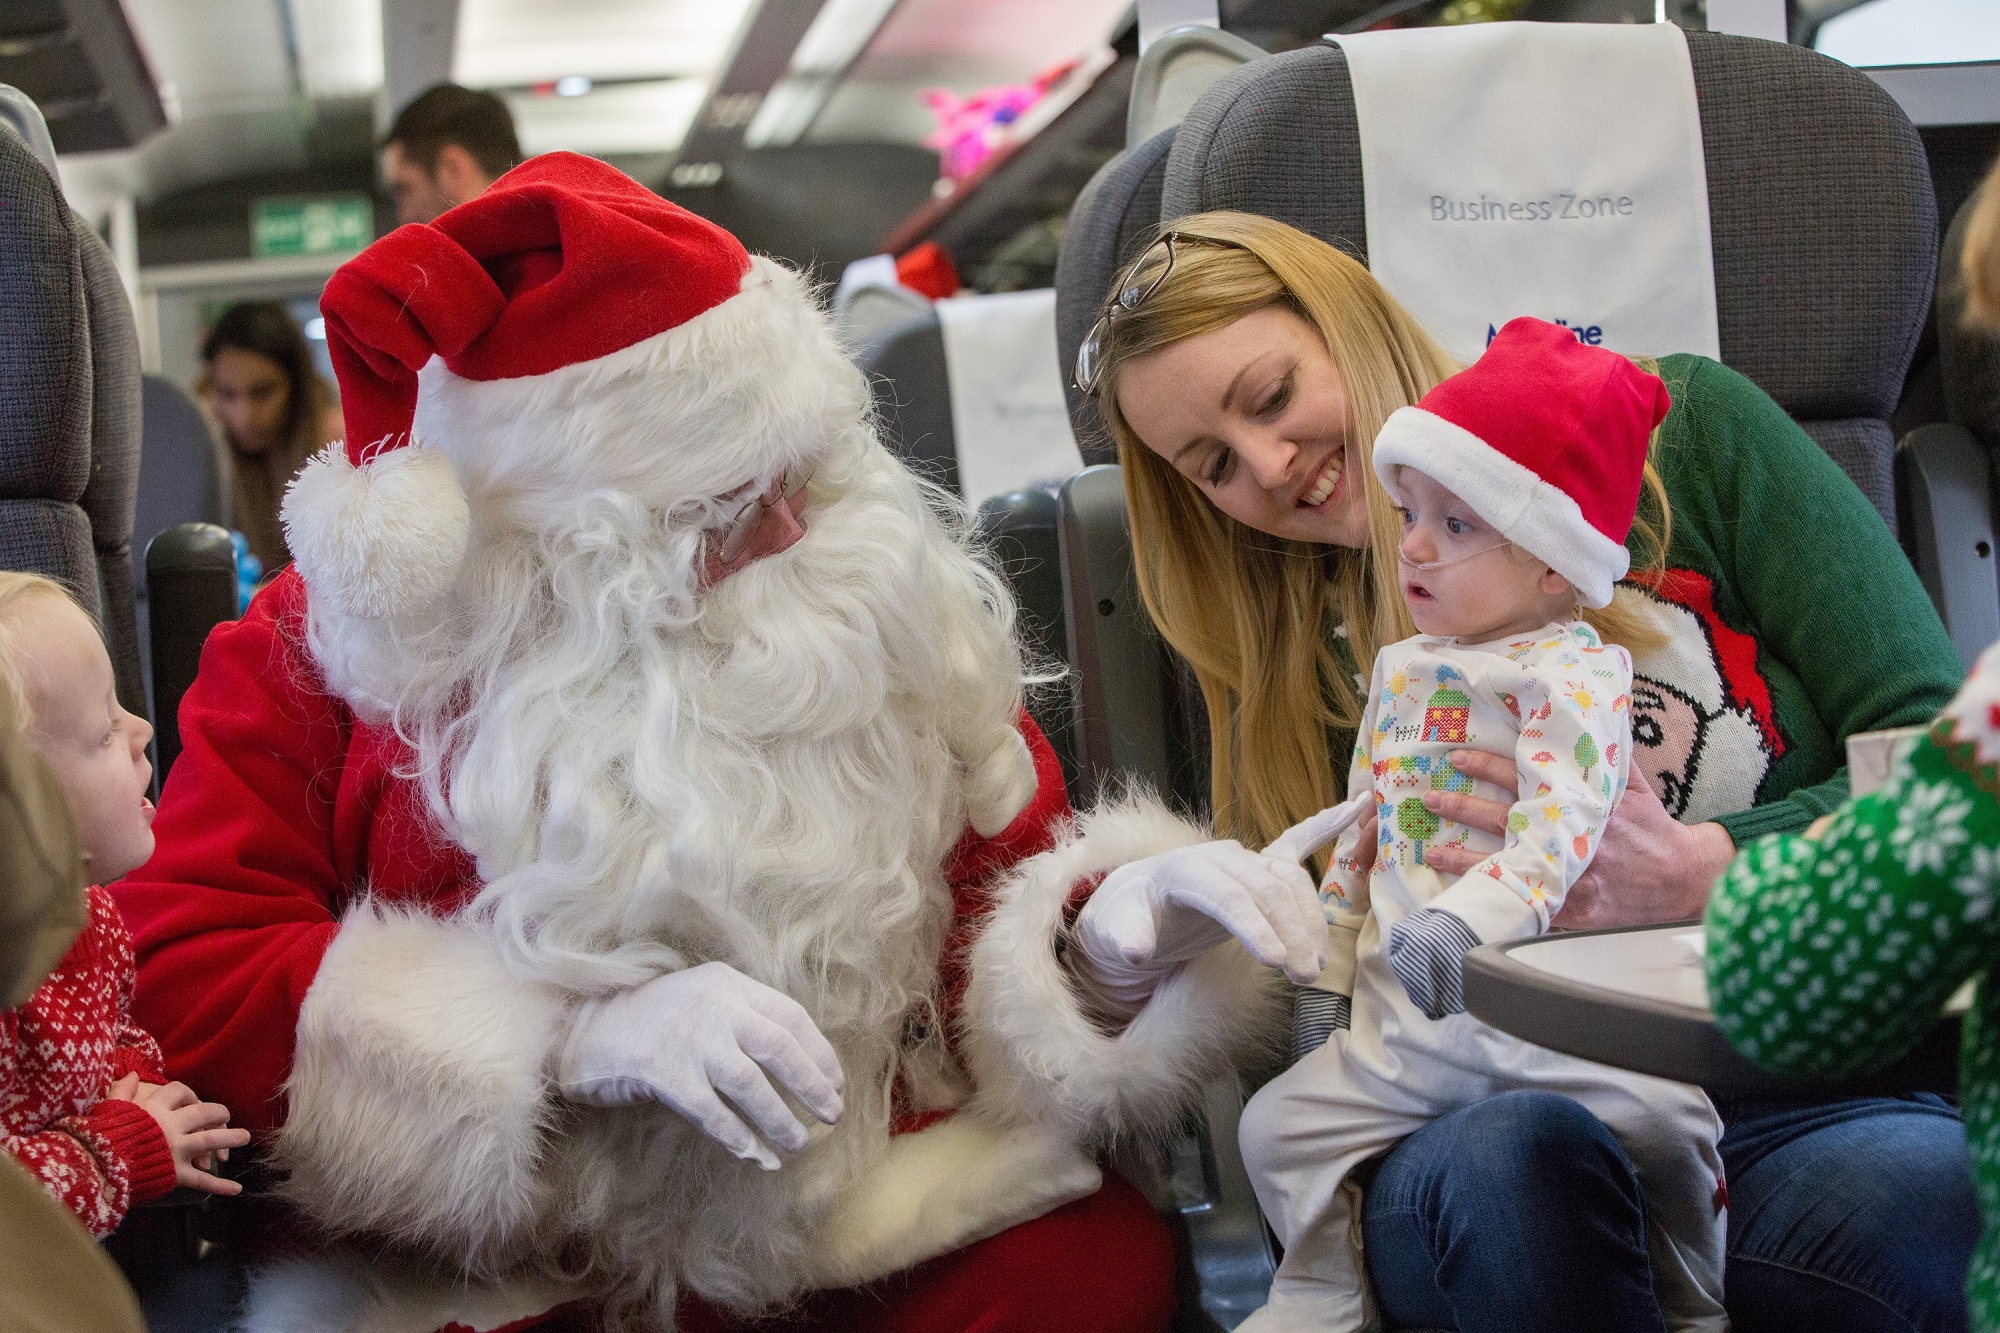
(1517, 480)
(84, 1104)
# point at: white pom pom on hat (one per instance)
(564, 260)
(383, 539)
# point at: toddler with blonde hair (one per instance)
(84, 1103)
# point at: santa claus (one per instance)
(612, 869)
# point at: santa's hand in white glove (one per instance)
(708, 1042)
(1150, 916)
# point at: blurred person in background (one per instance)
(274, 411)
(446, 147)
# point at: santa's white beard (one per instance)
(769, 773)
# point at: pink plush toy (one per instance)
(971, 129)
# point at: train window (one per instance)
(1913, 32)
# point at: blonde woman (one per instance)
(1243, 369)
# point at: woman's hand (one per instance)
(1649, 867)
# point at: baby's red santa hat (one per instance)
(553, 279)
(1546, 439)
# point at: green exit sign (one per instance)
(311, 225)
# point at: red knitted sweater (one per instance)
(58, 1052)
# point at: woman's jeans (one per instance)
(1521, 1214)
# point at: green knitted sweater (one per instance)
(1834, 956)
(1796, 618)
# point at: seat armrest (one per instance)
(190, 589)
(1120, 695)
(1944, 503)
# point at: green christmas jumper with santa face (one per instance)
(1832, 956)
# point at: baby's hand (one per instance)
(197, 1132)
(125, 1089)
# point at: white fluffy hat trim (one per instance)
(1538, 517)
(382, 539)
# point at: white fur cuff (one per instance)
(943, 1188)
(1033, 1052)
(418, 1101)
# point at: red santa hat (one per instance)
(561, 266)
(1546, 439)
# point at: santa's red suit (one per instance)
(526, 729)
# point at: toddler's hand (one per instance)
(197, 1131)
(125, 1089)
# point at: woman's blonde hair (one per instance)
(1979, 262)
(1257, 617)
(18, 591)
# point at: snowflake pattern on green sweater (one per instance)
(1833, 956)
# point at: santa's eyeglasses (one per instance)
(737, 528)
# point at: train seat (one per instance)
(183, 473)
(966, 394)
(1110, 222)
(69, 388)
(1822, 310)
(1944, 469)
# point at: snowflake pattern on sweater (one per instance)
(58, 1052)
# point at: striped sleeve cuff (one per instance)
(1316, 1015)
(1427, 953)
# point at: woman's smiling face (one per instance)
(1255, 414)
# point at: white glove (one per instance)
(1151, 915)
(692, 1038)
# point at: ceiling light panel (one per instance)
(340, 46)
(838, 33)
(219, 56)
(520, 43)
(622, 118)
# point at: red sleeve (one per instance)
(139, 1054)
(976, 862)
(231, 916)
(99, 1164)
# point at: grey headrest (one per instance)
(19, 113)
(1820, 205)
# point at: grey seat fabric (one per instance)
(905, 365)
(906, 373)
(1109, 224)
(1821, 215)
(108, 499)
(45, 380)
(180, 467)
(181, 471)
(69, 409)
